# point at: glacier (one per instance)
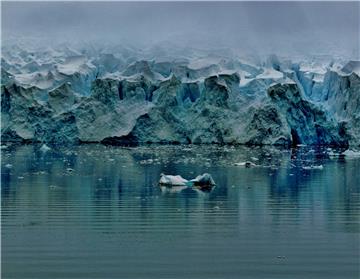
(124, 95)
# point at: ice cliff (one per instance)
(122, 95)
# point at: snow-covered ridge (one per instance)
(119, 94)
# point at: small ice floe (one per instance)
(44, 148)
(146, 162)
(202, 182)
(9, 166)
(247, 164)
(3, 146)
(319, 167)
(173, 180)
(351, 154)
(333, 154)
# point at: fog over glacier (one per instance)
(261, 27)
(257, 73)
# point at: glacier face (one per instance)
(121, 95)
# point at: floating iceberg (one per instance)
(203, 182)
(351, 153)
(319, 167)
(173, 180)
(44, 148)
(246, 164)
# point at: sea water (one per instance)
(95, 211)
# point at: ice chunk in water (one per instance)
(245, 164)
(174, 180)
(203, 180)
(351, 153)
(320, 167)
(44, 148)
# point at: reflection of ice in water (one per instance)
(180, 190)
(172, 189)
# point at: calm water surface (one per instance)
(97, 212)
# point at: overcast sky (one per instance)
(276, 26)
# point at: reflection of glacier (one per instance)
(122, 95)
(107, 182)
